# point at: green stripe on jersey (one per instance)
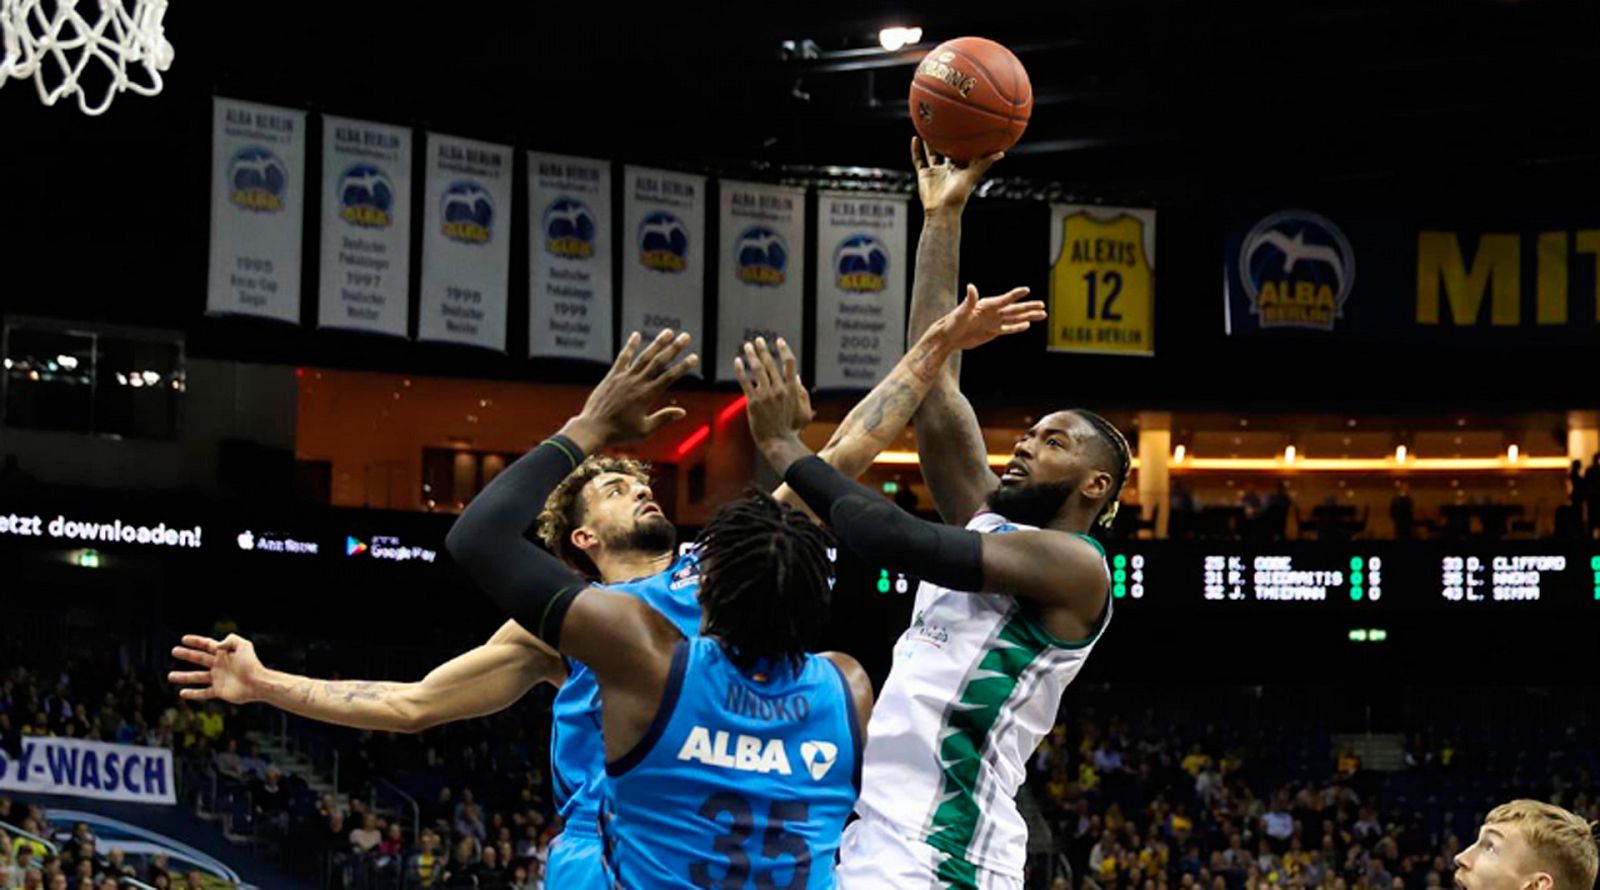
(957, 874)
(965, 734)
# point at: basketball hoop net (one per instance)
(120, 48)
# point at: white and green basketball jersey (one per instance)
(975, 686)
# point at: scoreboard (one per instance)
(1307, 576)
(1396, 576)
(1521, 577)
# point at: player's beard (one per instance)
(1035, 504)
(651, 535)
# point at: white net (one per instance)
(91, 49)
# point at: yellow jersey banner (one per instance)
(1102, 279)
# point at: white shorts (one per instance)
(874, 856)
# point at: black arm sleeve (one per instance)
(490, 541)
(883, 534)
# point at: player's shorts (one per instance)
(875, 856)
(576, 861)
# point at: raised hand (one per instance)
(779, 405)
(942, 183)
(976, 321)
(232, 670)
(619, 408)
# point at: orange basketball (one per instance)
(969, 98)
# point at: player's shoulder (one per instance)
(857, 684)
(990, 522)
(685, 567)
(1048, 557)
(848, 666)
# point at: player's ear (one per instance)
(1099, 485)
(584, 538)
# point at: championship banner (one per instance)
(1102, 279)
(1486, 278)
(663, 284)
(861, 288)
(258, 167)
(366, 227)
(466, 246)
(98, 770)
(761, 282)
(569, 253)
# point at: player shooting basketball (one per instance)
(1009, 608)
(602, 520)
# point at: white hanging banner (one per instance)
(366, 226)
(861, 288)
(569, 257)
(663, 264)
(761, 279)
(98, 770)
(258, 166)
(466, 246)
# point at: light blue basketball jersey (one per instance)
(577, 751)
(744, 779)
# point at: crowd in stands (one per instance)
(79, 863)
(457, 846)
(486, 818)
(101, 706)
(125, 711)
(496, 839)
(1159, 802)
(1129, 794)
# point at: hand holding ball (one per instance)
(970, 98)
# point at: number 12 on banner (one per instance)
(1102, 280)
(1113, 282)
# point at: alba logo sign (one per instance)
(819, 757)
(747, 754)
(750, 754)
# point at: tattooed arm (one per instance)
(877, 420)
(950, 442)
(482, 681)
(926, 381)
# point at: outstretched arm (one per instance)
(1054, 569)
(949, 440)
(877, 420)
(490, 539)
(625, 642)
(481, 681)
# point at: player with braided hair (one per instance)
(753, 559)
(1015, 594)
(597, 515)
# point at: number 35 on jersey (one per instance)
(1102, 279)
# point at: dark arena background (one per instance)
(1355, 571)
